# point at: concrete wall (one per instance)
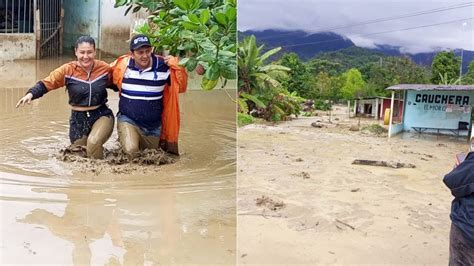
(101, 20)
(396, 129)
(115, 29)
(17, 46)
(81, 17)
(428, 109)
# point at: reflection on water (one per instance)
(51, 213)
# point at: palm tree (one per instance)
(257, 80)
(444, 80)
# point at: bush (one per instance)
(375, 129)
(323, 105)
(244, 119)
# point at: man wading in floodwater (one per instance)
(149, 85)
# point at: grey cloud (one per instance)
(318, 15)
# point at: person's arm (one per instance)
(54, 81)
(461, 179)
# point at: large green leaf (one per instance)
(190, 25)
(221, 18)
(254, 99)
(191, 64)
(181, 4)
(194, 18)
(231, 14)
(212, 73)
(243, 107)
(119, 3)
(206, 58)
(207, 84)
(269, 68)
(228, 71)
(205, 15)
(270, 53)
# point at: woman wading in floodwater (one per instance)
(91, 122)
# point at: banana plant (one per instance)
(202, 32)
(260, 91)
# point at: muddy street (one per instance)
(62, 212)
(333, 211)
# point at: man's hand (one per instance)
(26, 99)
(167, 58)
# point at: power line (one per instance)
(431, 11)
(376, 33)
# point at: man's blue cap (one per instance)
(138, 41)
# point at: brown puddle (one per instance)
(56, 212)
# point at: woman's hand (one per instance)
(26, 99)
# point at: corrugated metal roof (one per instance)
(431, 87)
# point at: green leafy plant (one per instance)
(444, 80)
(261, 93)
(201, 31)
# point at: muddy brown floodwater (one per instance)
(301, 200)
(63, 213)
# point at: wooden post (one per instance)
(376, 108)
(349, 108)
(391, 115)
(38, 33)
(61, 32)
(381, 109)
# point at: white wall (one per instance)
(115, 28)
(17, 46)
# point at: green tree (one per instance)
(204, 31)
(299, 79)
(392, 71)
(353, 84)
(445, 64)
(323, 86)
(468, 78)
(316, 66)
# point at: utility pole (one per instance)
(462, 50)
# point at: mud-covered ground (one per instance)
(302, 200)
(115, 161)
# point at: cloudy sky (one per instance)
(437, 23)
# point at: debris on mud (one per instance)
(354, 128)
(375, 129)
(317, 125)
(270, 203)
(384, 163)
(115, 160)
(343, 223)
(304, 175)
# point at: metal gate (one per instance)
(50, 27)
(16, 16)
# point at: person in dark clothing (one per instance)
(461, 240)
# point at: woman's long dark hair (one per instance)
(85, 39)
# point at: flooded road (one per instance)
(331, 211)
(53, 212)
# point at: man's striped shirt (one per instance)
(142, 93)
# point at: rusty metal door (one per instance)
(49, 28)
